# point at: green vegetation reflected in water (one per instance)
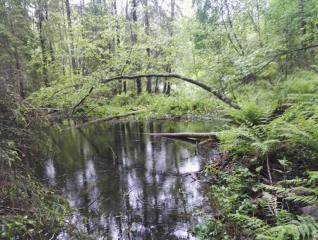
(127, 184)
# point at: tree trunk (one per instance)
(69, 23)
(19, 70)
(116, 40)
(147, 30)
(302, 16)
(43, 51)
(164, 86)
(17, 63)
(157, 86)
(42, 42)
(134, 40)
(168, 88)
(149, 85)
(51, 50)
(242, 52)
(134, 18)
(125, 86)
(138, 85)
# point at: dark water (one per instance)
(127, 184)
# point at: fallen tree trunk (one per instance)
(105, 119)
(189, 136)
(186, 134)
(204, 86)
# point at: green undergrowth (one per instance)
(102, 102)
(28, 210)
(32, 210)
(267, 185)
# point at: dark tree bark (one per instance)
(168, 88)
(138, 85)
(157, 86)
(125, 86)
(164, 86)
(149, 84)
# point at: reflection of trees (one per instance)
(141, 184)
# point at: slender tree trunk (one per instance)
(302, 16)
(134, 40)
(19, 70)
(42, 42)
(170, 28)
(135, 19)
(138, 85)
(51, 50)
(17, 62)
(301, 6)
(232, 28)
(157, 86)
(147, 30)
(117, 23)
(69, 23)
(125, 86)
(168, 88)
(116, 40)
(149, 84)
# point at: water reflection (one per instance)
(127, 184)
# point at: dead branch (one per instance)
(82, 100)
(204, 86)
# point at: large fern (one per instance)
(302, 228)
(297, 191)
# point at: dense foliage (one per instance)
(262, 54)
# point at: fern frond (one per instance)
(250, 225)
(302, 228)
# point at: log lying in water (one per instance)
(105, 119)
(186, 134)
(189, 136)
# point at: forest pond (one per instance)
(125, 183)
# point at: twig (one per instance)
(82, 100)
